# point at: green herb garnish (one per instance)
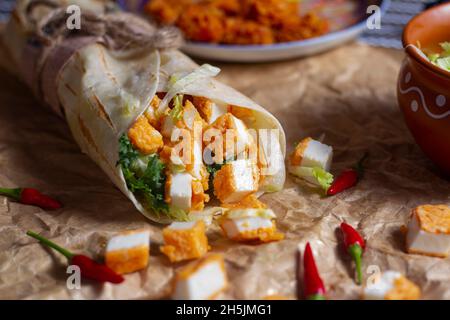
(146, 183)
(442, 59)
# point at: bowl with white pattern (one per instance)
(423, 88)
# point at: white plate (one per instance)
(289, 50)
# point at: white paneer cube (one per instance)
(250, 225)
(429, 231)
(128, 251)
(312, 153)
(243, 138)
(180, 190)
(391, 285)
(201, 280)
(235, 180)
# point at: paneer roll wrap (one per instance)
(173, 139)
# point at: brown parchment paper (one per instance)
(347, 94)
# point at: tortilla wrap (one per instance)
(90, 85)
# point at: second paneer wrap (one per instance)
(130, 112)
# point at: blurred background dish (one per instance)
(269, 30)
(398, 13)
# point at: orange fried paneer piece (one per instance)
(128, 251)
(145, 137)
(185, 241)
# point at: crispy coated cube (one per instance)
(429, 231)
(202, 279)
(185, 240)
(145, 137)
(128, 251)
(236, 180)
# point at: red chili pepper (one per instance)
(348, 178)
(32, 197)
(355, 245)
(314, 288)
(88, 267)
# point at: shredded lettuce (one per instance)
(444, 63)
(314, 175)
(177, 111)
(324, 178)
(145, 177)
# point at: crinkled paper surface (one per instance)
(347, 94)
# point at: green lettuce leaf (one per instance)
(147, 185)
(444, 63)
(177, 111)
(324, 178)
(314, 175)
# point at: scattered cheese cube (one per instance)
(185, 240)
(201, 280)
(128, 252)
(144, 137)
(392, 285)
(250, 225)
(429, 231)
(209, 110)
(236, 180)
(179, 190)
(312, 153)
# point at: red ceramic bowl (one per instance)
(423, 89)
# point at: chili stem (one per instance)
(316, 297)
(69, 255)
(13, 193)
(356, 253)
